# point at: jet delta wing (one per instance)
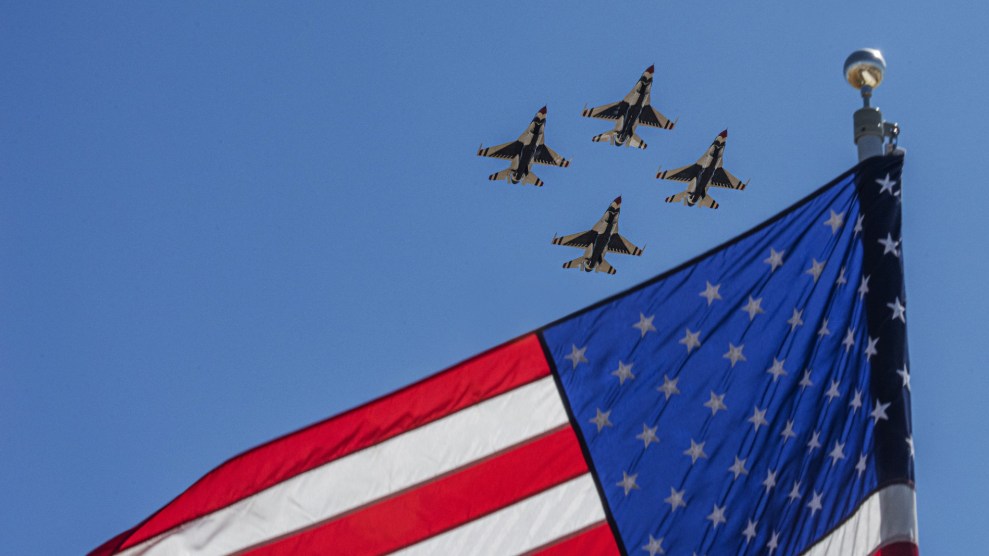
(629, 112)
(525, 151)
(706, 172)
(598, 241)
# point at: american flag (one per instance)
(755, 400)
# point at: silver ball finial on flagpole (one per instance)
(864, 70)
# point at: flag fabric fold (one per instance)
(754, 400)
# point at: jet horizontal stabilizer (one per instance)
(604, 266)
(503, 175)
(676, 198)
(577, 263)
(531, 179)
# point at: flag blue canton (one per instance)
(749, 401)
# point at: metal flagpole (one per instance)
(864, 70)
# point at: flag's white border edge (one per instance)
(887, 516)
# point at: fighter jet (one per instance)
(601, 239)
(527, 150)
(634, 109)
(706, 172)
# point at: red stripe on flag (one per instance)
(596, 540)
(444, 503)
(480, 378)
(898, 549)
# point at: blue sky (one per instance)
(221, 223)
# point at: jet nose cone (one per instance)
(723, 134)
(542, 110)
(618, 200)
(650, 68)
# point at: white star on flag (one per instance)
(864, 287)
(824, 329)
(905, 375)
(738, 468)
(749, 533)
(696, 451)
(856, 402)
(669, 386)
(675, 499)
(841, 278)
(899, 311)
(889, 245)
(796, 320)
(770, 480)
(777, 369)
(815, 270)
(814, 442)
(849, 341)
(717, 516)
(577, 356)
(788, 433)
(716, 403)
(647, 436)
(775, 259)
(815, 503)
(645, 324)
(691, 340)
(758, 418)
(835, 221)
(711, 293)
(734, 353)
(628, 482)
(794, 492)
(870, 349)
(837, 453)
(753, 308)
(805, 382)
(833, 392)
(879, 412)
(624, 372)
(858, 225)
(601, 419)
(655, 546)
(886, 185)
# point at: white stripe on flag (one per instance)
(531, 523)
(362, 477)
(888, 516)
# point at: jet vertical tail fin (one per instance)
(531, 179)
(604, 266)
(503, 175)
(637, 142)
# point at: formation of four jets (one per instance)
(634, 109)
